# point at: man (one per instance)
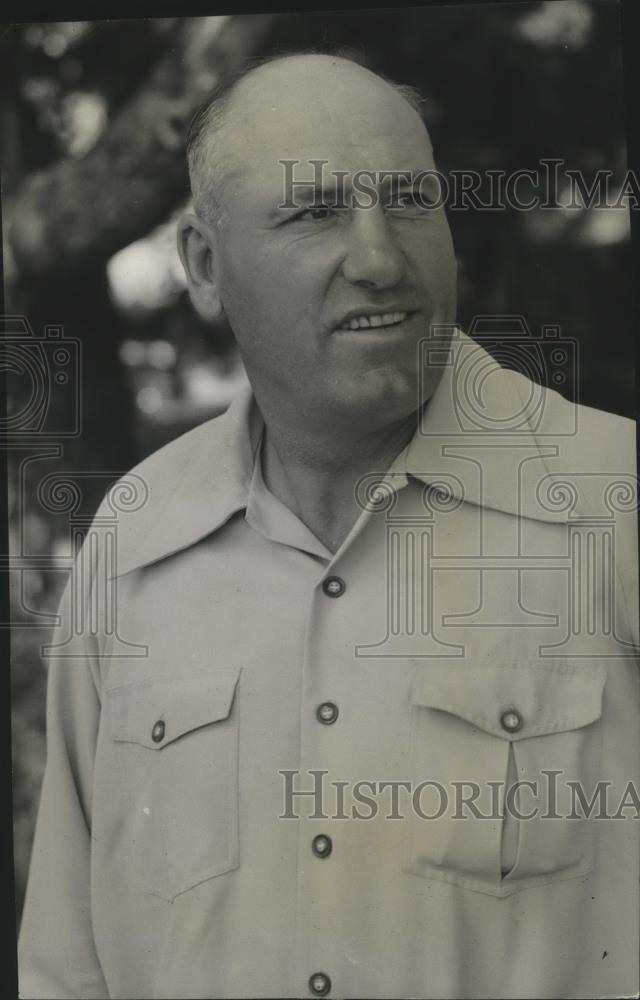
(391, 581)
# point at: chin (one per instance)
(378, 397)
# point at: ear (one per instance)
(196, 246)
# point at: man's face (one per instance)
(292, 280)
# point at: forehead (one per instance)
(343, 115)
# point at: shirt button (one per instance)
(511, 720)
(319, 984)
(334, 586)
(327, 713)
(157, 733)
(322, 846)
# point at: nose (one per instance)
(373, 258)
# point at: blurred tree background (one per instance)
(93, 119)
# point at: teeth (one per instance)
(369, 322)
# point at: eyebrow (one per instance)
(305, 195)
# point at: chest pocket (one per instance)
(177, 749)
(499, 752)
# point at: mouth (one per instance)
(373, 321)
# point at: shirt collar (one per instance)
(197, 482)
(191, 487)
(487, 435)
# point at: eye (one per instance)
(423, 196)
(315, 213)
(405, 198)
(409, 200)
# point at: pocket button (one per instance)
(319, 984)
(157, 733)
(511, 720)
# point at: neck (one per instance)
(314, 470)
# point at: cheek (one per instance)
(269, 314)
(430, 236)
(436, 266)
(277, 290)
(437, 250)
(248, 285)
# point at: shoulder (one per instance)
(181, 492)
(152, 481)
(161, 470)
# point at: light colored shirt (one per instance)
(479, 624)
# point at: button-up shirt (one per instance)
(277, 771)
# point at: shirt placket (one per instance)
(321, 857)
(327, 844)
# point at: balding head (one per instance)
(290, 101)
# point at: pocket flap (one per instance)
(154, 713)
(541, 697)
